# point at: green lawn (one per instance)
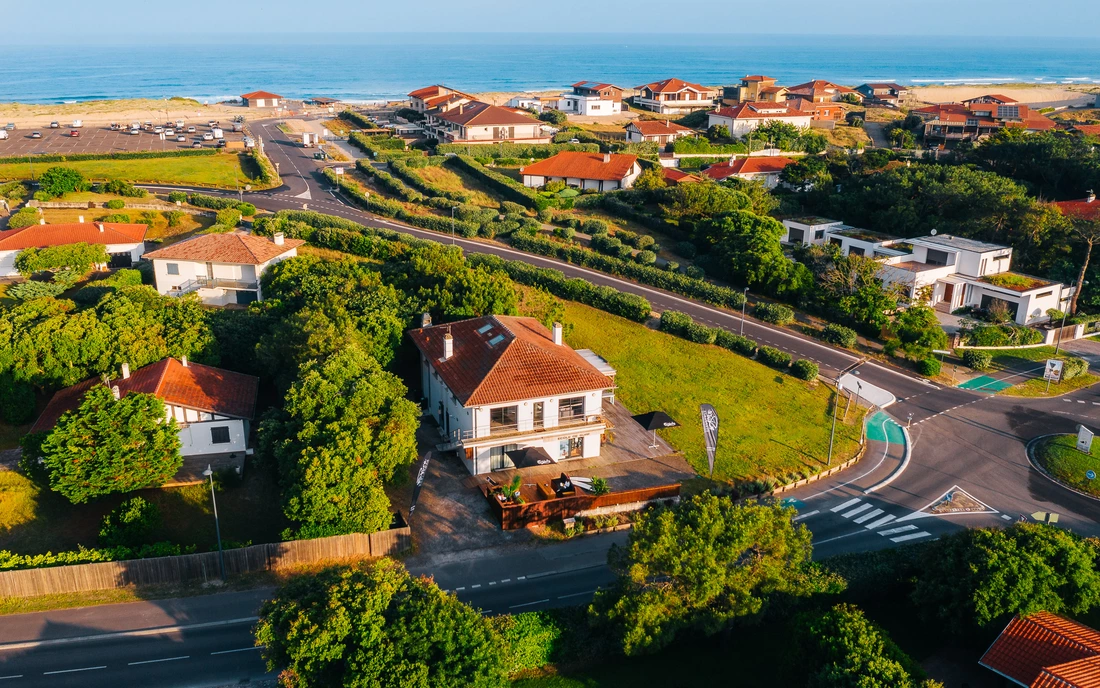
(1059, 455)
(1010, 357)
(454, 180)
(224, 170)
(1038, 386)
(772, 424)
(35, 520)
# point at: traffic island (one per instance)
(1058, 457)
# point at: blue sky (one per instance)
(152, 21)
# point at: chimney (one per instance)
(125, 371)
(115, 393)
(99, 225)
(425, 319)
(278, 238)
(557, 334)
(448, 346)
(606, 158)
(80, 219)
(1090, 196)
(42, 221)
(183, 361)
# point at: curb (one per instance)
(126, 634)
(900, 469)
(1043, 472)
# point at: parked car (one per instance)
(207, 137)
(10, 126)
(77, 123)
(179, 124)
(190, 130)
(135, 132)
(221, 143)
(3, 134)
(169, 132)
(55, 125)
(74, 133)
(158, 130)
(181, 138)
(196, 144)
(36, 135)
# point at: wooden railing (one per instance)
(514, 516)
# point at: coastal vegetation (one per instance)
(224, 170)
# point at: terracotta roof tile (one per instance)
(740, 166)
(235, 247)
(194, 386)
(1029, 645)
(758, 110)
(499, 358)
(260, 94)
(483, 114)
(652, 127)
(674, 86)
(757, 77)
(1083, 673)
(580, 165)
(671, 174)
(1088, 129)
(41, 236)
(1080, 208)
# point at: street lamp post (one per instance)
(832, 433)
(209, 473)
(744, 302)
(859, 393)
(452, 225)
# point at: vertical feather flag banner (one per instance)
(710, 432)
(420, 475)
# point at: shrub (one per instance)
(595, 227)
(701, 334)
(247, 209)
(675, 322)
(646, 257)
(839, 335)
(115, 204)
(174, 217)
(121, 187)
(1074, 367)
(10, 561)
(33, 289)
(13, 191)
(24, 217)
(928, 366)
(976, 359)
(804, 369)
(78, 257)
(129, 524)
(555, 117)
(41, 196)
(672, 266)
(735, 343)
(600, 486)
(58, 181)
(177, 197)
(508, 207)
(685, 249)
(566, 233)
(212, 202)
(118, 218)
(769, 355)
(695, 272)
(230, 217)
(775, 313)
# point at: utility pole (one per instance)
(744, 302)
(832, 433)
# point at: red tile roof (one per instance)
(260, 94)
(676, 176)
(595, 86)
(193, 386)
(1081, 208)
(757, 77)
(580, 165)
(1088, 129)
(991, 98)
(818, 87)
(483, 114)
(675, 86)
(41, 236)
(758, 110)
(235, 247)
(524, 363)
(652, 127)
(1034, 651)
(747, 166)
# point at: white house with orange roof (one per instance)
(675, 97)
(474, 122)
(581, 170)
(821, 91)
(764, 169)
(592, 99)
(742, 118)
(500, 384)
(222, 268)
(656, 131)
(125, 243)
(429, 97)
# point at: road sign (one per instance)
(338, 170)
(941, 352)
(1084, 439)
(1090, 474)
(1053, 371)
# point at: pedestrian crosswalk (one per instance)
(873, 519)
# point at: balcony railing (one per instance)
(213, 283)
(504, 430)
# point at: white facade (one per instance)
(740, 126)
(535, 181)
(217, 284)
(535, 103)
(202, 432)
(134, 251)
(590, 106)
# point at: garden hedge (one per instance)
(131, 155)
(515, 150)
(406, 171)
(771, 356)
(502, 184)
(976, 359)
(774, 313)
(839, 335)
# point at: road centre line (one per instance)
(239, 649)
(154, 661)
(805, 515)
(528, 604)
(4, 678)
(162, 630)
(69, 671)
(577, 594)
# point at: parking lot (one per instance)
(101, 139)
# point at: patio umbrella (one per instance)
(654, 421)
(561, 485)
(529, 457)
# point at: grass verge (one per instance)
(451, 180)
(1038, 387)
(1062, 460)
(772, 424)
(224, 170)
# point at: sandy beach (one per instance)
(101, 112)
(1024, 93)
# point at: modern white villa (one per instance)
(499, 384)
(222, 268)
(961, 272)
(125, 243)
(592, 99)
(675, 96)
(743, 118)
(211, 406)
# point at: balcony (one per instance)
(197, 283)
(527, 428)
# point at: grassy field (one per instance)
(35, 520)
(455, 181)
(1038, 386)
(845, 136)
(772, 424)
(1059, 455)
(223, 170)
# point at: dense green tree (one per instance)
(719, 132)
(693, 202)
(702, 564)
(810, 172)
(782, 135)
(107, 445)
(345, 428)
(79, 258)
(58, 181)
(555, 117)
(375, 626)
(920, 331)
(747, 250)
(1056, 164)
(651, 179)
(1087, 231)
(976, 578)
(761, 200)
(16, 400)
(130, 524)
(436, 278)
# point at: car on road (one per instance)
(158, 130)
(190, 130)
(221, 143)
(3, 134)
(55, 125)
(181, 138)
(74, 133)
(135, 132)
(36, 135)
(207, 137)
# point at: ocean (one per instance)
(364, 67)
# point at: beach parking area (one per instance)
(102, 140)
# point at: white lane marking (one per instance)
(838, 537)
(163, 630)
(1006, 517)
(1080, 401)
(69, 671)
(805, 515)
(576, 594)
(154, 661)
(475, 587)
(858, 510)
(881, 521)
(505, 580)
(528, 604)
(911, 536)
(492, 582)
(462, 588)
(868, 516)
(521, 577)
(893, 531)
(12, 676)
(845, 505)
(239, 649)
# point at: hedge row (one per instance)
(389, 183)
(613, 204)
(701, 145)
(629, 306)
(10, 561)
(515, 150)
(132, 155)
(379, 148)
(212, 202)
(646, 274)
(387, 208)
(503, 184)
(357, 119)
(268, 175)
(406, 170)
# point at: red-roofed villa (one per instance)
(1045, 650)
(675, 96)
(261, 99)
(599, 171)
(125, 244)
(744, 117)
(759, 168)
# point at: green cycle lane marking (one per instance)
(883, 428)
(985, 383)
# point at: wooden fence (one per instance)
(514, 516)
(204, 566)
